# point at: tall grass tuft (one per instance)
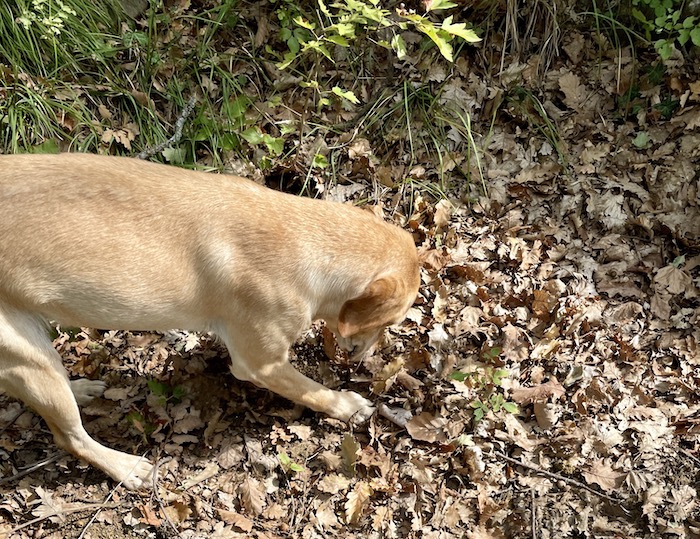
(46, 37)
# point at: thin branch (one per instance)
(104, 504)
(68, 511)
(692, 457)
(178, 132)
(33, 468)
(558, 477)
(161, 505)
(533, 516)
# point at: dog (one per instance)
(118, 243)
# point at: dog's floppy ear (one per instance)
(373, 308)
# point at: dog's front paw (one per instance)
(353, 408)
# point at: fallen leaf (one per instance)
(252, 495)
(238, 520)
(601, 473)
(427, 428)
(349, 450)
(357, 501)
(542, 392)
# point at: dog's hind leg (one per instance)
(32, 371)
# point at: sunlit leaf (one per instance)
(345, 94)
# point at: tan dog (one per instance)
(117, 243)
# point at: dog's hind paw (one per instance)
(135, 473)
(85, 390)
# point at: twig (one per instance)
(558, 477)
(692, 457)
(33, 468)
(161, 505)
(533, 519)
(67, 511)
(104, 504)
(178, 132)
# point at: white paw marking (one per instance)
(353, 408)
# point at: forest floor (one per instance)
(550, 364)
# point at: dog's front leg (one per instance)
(268, 366)
(282, 378)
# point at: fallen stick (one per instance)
(556, 476)
(145, 154)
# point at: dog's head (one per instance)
(384, 302)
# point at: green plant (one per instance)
(665, 24)
(44, 37)
(496, 403)
(288, 465)
(523, 103)
(166, 393)
(345, 21)
(137, 420)
(488, 382)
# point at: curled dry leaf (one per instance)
(384, 379)
(540, 393)
(443, 212)
(427, 428)
(333, 483)
(349, 450)
(238, 520)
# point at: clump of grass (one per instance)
(45, 37)
(49, 50)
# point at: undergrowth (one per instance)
(289, 86)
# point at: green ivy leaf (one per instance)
(399, 46)
(695, 36)
(437, 5)
(345, 94)
(459, 30)
(289, 57)
(430, 30)
(664, 48)
(324, 9)
(344, 29)
(459, 376)
(319, 47)
(319, 161)
(304, 23)
(641, 140)
(338, 40)
(157, 388)
(252, 135)
(274, 145)
(499, 375)
(174, 155)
